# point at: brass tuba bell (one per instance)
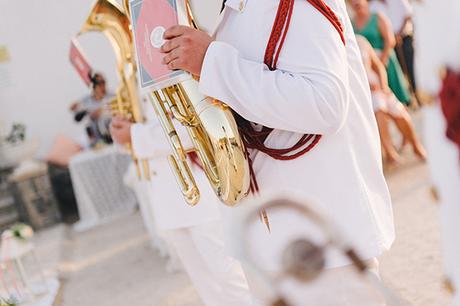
(110, 18)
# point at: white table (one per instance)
(97, 178)
(16, 280)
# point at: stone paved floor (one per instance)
(414, 264)
(113, 265)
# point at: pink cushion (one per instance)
(63, 149)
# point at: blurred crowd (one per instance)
(385, 30)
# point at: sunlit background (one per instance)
(98, 246)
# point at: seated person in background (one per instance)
(386, 105)
(95, 106)
(400, 13)
(377, 29)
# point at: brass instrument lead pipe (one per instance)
(178, 160)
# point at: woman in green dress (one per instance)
(376, 28)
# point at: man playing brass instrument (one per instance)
(292, 73)
(195, 232)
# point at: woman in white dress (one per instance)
(386, 105)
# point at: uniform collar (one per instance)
(238, 5)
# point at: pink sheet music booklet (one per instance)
(150, 19)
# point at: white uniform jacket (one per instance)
(320, 87)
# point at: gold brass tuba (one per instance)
(215, 137)
(108, 17)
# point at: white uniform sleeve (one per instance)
(149, 141)
(310, 94)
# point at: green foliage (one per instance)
(17, 134)
(22, 231)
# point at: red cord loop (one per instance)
(254, 139)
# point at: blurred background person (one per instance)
(400, 13)
(195, 232)
(387, 107)
(442, 119)
(94, 108)
(377, 29)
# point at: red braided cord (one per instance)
(307, 149)
(277, 29)
(281, 26)
(324, 9)
(286, 28)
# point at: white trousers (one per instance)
(218, 278)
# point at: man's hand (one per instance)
(185, 49)
(120, 129)
(74, 106)
(95, 115)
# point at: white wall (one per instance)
(37, 34)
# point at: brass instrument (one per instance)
(108, 17)
(304, 258)
(215, 137)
